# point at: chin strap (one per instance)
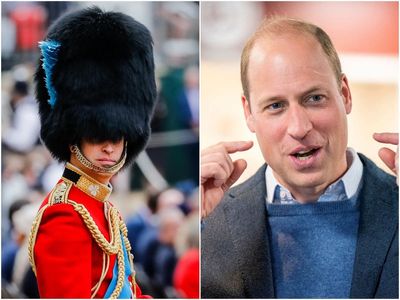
(84, 161)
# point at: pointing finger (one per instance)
(387, 138)
(232, 147)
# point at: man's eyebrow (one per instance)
(313, 90)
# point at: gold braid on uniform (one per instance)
(109, 248)
(32, 236)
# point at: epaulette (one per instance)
(60, 192)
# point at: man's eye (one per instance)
(315, 98)
(275, 106)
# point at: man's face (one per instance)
(298, 112)
(103, 154)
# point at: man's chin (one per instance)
(304, 180)
(107, 165)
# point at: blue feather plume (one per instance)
(49, 50)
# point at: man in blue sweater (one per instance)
(318, 220)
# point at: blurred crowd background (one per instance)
(365, 35)
(158, 195)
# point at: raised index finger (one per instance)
(235, 146)
(387, 138)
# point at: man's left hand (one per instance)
(389, 157)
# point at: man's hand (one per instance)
(219, 172)
(389, 157)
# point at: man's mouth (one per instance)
(304, 155)
(106, 161)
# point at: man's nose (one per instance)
(108, 148)
(299, 123)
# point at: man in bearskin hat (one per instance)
(96, 91)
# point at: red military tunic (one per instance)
(64, 245)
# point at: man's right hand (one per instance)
(219, 172)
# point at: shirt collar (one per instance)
(350, 180)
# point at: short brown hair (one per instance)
(279, 25)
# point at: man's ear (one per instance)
(346, 94)
(247, 113)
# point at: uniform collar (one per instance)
(86, 184)
(348, 183)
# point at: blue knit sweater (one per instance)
(313, 248)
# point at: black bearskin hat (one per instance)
(95, 81)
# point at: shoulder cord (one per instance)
(110, 248)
